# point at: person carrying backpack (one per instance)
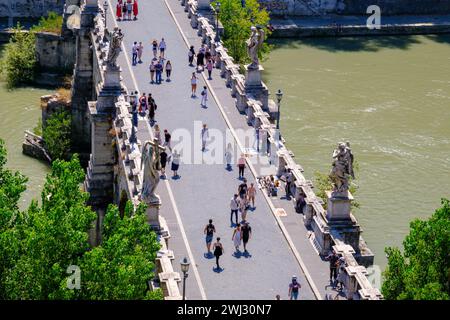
(294, 287)
(209, 231)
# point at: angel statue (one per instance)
(151, 163)
(115, 44)
(342, 168)
(254, 44)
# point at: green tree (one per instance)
(37, 245)
(56, 135)
(40, 243)
(18, 63)
(52, 23)
(422, 272)
(237, 21)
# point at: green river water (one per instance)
(388, 96)
(20, 111)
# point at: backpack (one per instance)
(203, 93)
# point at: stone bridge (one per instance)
(284, 243)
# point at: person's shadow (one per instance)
(177, 177)
(229, 168)
(208, 255)
(218, 270)
(237, 254)
(246, 254)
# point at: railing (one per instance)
(355, 280)
(129, 169)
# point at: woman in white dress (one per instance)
(237, 237)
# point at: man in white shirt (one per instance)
(134, 51)
(234, 206)
(162, 47)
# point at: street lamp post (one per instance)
(279, 95)
(217, 9)
(184, 268)
(105, 6)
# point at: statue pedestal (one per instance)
(153, 214)
(112, 76)
(203, 4)
(338, 206)
(253, 77)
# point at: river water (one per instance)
(388, 96)
(19, 111)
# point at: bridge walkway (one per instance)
(204, 190)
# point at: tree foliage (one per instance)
(237, 21)
(57, 133)
(422, 272)
(39, 244)
(18, 63)
(52, 23)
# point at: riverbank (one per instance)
(338, 26)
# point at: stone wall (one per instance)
(355, 7)
(29, 8)
(54, 53)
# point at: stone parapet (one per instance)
(346, 236)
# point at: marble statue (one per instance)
(342, 168)
(115, 44)
(151, 165)
(254, 44)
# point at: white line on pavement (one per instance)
(169, 189)
(277, 218)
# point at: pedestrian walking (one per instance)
(175, 163)
(257, 138)
(333, 259)
(162, 48)
(193, 85)
(294, 287)
(191, 55)
(341, 273)
(155, 48)
(135, 9)
(151, 108)
(200, 59)
(204, 97)
(209, 67)
(157, 134)
(241, 165)
(129, 9)
(209, 231)
(134, 113)
(124, 10)
(168, 70)
(159, 70)
(229, 156)
(246, 234)
(163, 161)
(218, 251)
(143, 104)
(237, 237)
(140, 48)
(134, 53)
(251, 194)
(204, 135)
(234, 206)
(243, 189)
(119, 10)
(152, 72)
(167, 138)
(207, 54)
(243, 208)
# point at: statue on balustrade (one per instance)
(254, 44)
(115, 44)
(342, 168)
(151, 164)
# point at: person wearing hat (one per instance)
(294, 287)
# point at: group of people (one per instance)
(337, 270)
(125, 10)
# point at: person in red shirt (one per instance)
(135, 9)
(119, 10)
